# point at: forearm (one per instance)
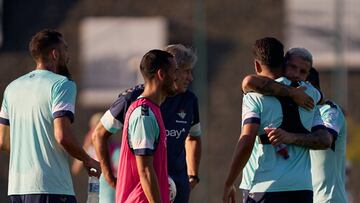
(100, 141)
(241, 156)
(67, 140)
(265, 86)
(149, 182)
(5, 138)
(71, 146)
(193, 154)
(319, 139)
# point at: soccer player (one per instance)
(328, 166)
(181, 118)
(35, 126)
(142, 172)
(267, 176)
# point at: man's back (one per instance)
(267, 171)
(328, 166)
(38, 164)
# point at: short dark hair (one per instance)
(42, 42)
(269, 51)
(154, 60)
(314, 78)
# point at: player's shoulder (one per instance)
(142, 111)
(283, 80)
(59, 81)
(331, 104)
(132, 93)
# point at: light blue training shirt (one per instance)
(266, 170)
(38, 164)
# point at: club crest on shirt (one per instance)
(182, 114)
(332, 115)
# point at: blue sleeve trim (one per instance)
(317, 127)
(4, 121)
(333, 133)
(252, 120)
(68, 114)
(144, 152)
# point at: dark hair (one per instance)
(153, 61)
(269, 51)
(314, 78)
(42, 42)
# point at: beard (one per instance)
(64, 70)
(169, 87)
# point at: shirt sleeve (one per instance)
(4, 115)
(317, 121)
(332, 120)
(312, 91)
(250, 110)
(113, 119)
(195, 129)
(63, 99)
(143, 131)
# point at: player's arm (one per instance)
(77, 164)
(319, 138)
(100, 139)
(241, 155)
(4, 126)
(65, 137)
(193, 156)
(268, 86)
(143, 134)
(148, 178)
(5, 138)
(63, 96)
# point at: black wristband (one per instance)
(196, 178)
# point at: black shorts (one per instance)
(42, 198)
(299, 196)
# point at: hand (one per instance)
(279, 136)
(299, 96)
(109, 177)
(192, 183)
(229, 194)
(91, 164)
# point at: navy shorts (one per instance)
(299, 196)
(42, 198)
(181, 181)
